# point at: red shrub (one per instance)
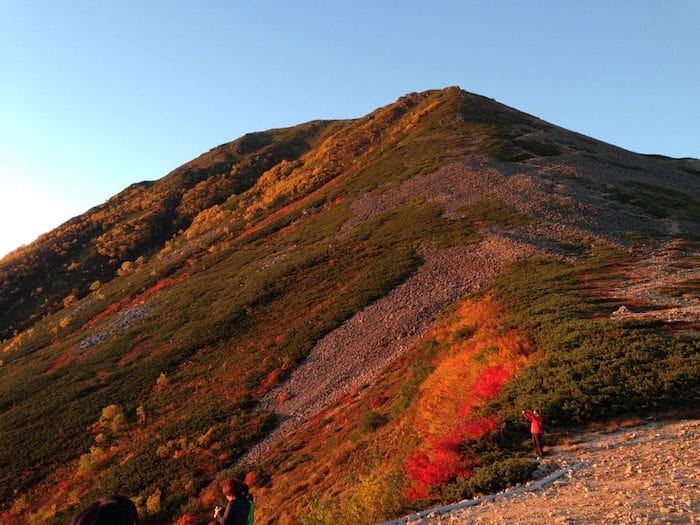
(439, 466)
(251, 478)
(489, 384)
(479, 427)
(185, 519)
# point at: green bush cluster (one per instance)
(592, 368)
(489, 478)
(371, 421)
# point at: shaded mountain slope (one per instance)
(136, 223)
(165, 333)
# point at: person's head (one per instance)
(536, 412)
(112, 510)
(233, 488)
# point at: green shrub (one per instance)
(371, 421)
(488, 479)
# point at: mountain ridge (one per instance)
(194, 304)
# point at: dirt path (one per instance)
(644, 474)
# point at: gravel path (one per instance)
(645, 474)
(354, 354)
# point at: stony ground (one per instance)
(644, 474)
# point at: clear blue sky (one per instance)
(96, 95)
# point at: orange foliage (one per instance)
(377, 401)
(12, 517)
(272, 378)
(479, 364)
(208, 497)
(475, 371)
(251, 479)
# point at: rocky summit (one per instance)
(351, 315)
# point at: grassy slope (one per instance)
(195, 332)
(34, 280)
(202, 326)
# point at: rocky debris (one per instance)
(93, 340)
(647, 282)
(646, 474)
(84, 305)
(688, 314)
(354, 354)
(119, 325)
(456, 185)
(561, 218)
(128, 316)
(620, 312)
(275, 258)
(193, 245)
(571, 197)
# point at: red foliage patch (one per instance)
(489, 384)
(185, 519)
(443, 462)
(479, 427)
(66, 357)
(377, 401)
(440, 465)
(128, 301)
(251, 479)
(272, 378)
(131, 354)
(208, 497)
(112, 308)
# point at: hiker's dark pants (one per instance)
(537, 442)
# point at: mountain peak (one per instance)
(403, 283)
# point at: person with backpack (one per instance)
(535, 418)
(251, 513)
(238, 507)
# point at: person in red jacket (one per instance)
(535, 419)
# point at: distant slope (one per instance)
(315, 272)
(36, 278)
